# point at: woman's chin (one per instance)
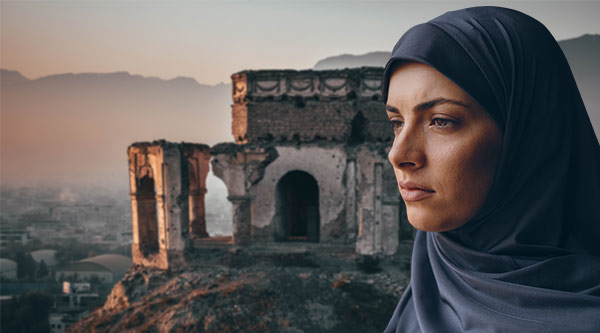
(425, 221)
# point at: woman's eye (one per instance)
(442, 123)
(396, 124)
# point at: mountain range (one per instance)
(76, 127)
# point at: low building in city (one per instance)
(106, 268)
(8, 269)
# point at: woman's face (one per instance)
(445, 150)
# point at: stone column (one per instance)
(377, 209)
(198, 158)
(391, 211)
(351, 201)
(242, 216)
(197, 213)
(376, 230)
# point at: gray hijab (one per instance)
(529, 260)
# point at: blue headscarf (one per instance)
(529, 261)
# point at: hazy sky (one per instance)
(210, 40)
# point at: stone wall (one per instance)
(305, 106)
(358, 199)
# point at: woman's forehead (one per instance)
(414, 83)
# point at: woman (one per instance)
(499, 167)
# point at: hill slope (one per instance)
(245, 291)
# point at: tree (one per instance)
(42, 270)
(27, 313)
(25, 265)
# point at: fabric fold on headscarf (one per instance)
(530, 258)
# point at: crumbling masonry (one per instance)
(309, 164)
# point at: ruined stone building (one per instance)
(309, 164)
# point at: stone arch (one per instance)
(297, 207)
(147, 210)
(218, 208)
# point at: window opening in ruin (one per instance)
(297, 206)
(218, 209)
(357, 132)
(147, 213)
(299, 101)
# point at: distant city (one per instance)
(62, 249)
(90, 215)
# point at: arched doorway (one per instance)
(297, 207)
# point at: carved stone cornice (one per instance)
(364, 82)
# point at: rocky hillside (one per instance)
(298, 289)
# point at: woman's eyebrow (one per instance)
(429, 104)
(390, 108)
(435, 102)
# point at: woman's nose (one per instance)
(407, 151)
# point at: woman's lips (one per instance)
(414, 192)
